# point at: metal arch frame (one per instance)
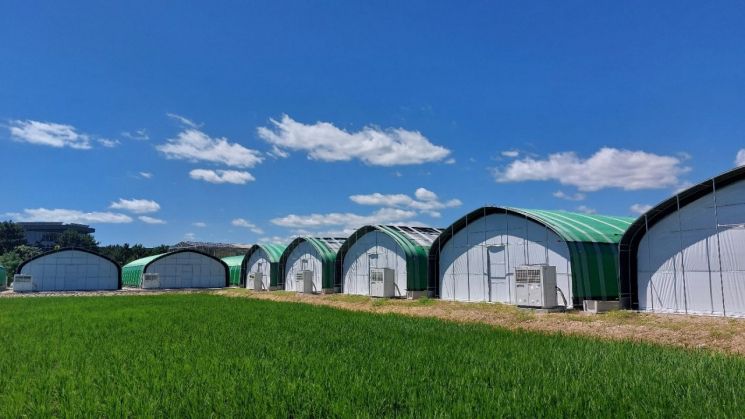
(577, 247)
(416, 254)
(274, 263)
(327, 254)
(163, 255)
(79, 249)
(629, 245)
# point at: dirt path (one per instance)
(715, 333)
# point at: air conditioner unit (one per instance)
(535, 286)
(304, 282)
(150, 281)
(257, 279)
(382, 282)
(23, 283)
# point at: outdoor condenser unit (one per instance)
(382, 282)
(257, 279)
(304, 282)
(535, 286)
(150, 281)
(22, 283)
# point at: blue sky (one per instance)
(238, 122)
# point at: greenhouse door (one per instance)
(372, 259)
(498, 290)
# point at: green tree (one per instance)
(124, 253)
(11, 260)
(72, 238)
(11, 236)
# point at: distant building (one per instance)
(46, 234)
(218, 250)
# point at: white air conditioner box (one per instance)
(535, 286)
(150, 281)
(304, 282)
(382, 282)
(257, 279)
(23, 283)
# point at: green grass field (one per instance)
(203, 355)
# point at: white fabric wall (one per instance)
(258, 262)
(188, 270)
(294, 264)
(687, 265)
(72, 270)
(464, 261)
(386, 254)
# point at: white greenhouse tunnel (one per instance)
(374, 249)
(189, 270)
(693, 260)
(72, 270)
(304, 257)
(477, 263)
(258, 263)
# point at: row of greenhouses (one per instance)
(685, 255)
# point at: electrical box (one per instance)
(382, 282)
(256, 282)
(150, 281)
(535, 286)
(23, 283)
(304, 282)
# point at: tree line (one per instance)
(14, 249)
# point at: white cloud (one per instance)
(240, 222)
(348, 220)
(607, 168)
(146, 175)
(585, 209)
(151, 220)
(183, 120)
(277, 239)
(381, 200)
(108, 143)
(222, 176)
(49, 134)
(138, 206)
(374, 146)
(194, 145)
(199, 224)
(569, 197)
(425, 194)
(640, 208)
(190, 237)
(740, 159)
(427, 201)
(70, 216)
(139, 135)
(510, 153)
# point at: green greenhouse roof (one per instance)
(578, 227)
(143, 261)
(274, 251)
(234, 260)
(415, 242)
